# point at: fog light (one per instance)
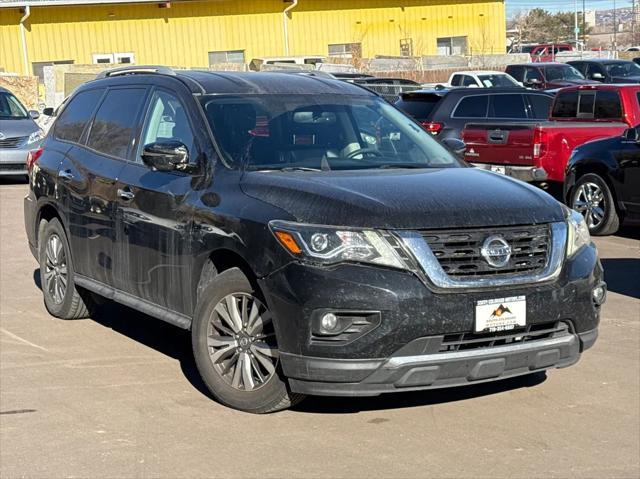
(599, 294)
(329, 322)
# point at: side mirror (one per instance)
(631, 134)
(168, 155)
(456, 146)
(597, 76)
(49, 111)
(34, 114)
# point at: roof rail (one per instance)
(138, 69)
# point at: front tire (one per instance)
(235, 348)
(62, 298)
(592, 198)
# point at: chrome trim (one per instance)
(416, 244)
(399, 361)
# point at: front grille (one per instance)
(458, 251)
(533, 332)
(13, 142)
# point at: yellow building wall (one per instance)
(184, 34)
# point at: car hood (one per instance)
(629, 79)
(563, 83)
(404, 199)
(12, 128)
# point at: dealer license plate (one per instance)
(498, 169)
(501, 314)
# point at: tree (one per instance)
(540, 26)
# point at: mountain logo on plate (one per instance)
(496, 251)
(500, 310)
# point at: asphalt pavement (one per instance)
(118, 396)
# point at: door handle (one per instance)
(126, 194)
(65, 175)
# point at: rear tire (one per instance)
(235, 347)
(62, 298)
(592, 198)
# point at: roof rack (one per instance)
(136, 70)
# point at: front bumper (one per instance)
(432, 371)
(13, 161)
(385, 357)
(524, 173)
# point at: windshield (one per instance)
(563, 72)
(11, 108)
(490, 81)
(319, 132)
(623, 69)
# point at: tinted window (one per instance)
(167, 121)
(516, 72)
(566, 105)
(76, 114)
(114, 123)
(585, 104)
(540, 106)
(472, 107)
(608, 105)
(508, 107)
(468, 81)
(456, 80)
(419, 109)
(533, 74)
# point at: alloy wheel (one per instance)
(589, 201)
(55, 269)
(242, 342)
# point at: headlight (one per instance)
(578, 232)
(331, 245)
(35, 136)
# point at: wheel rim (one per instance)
(589, 201)
(242, 342)
(55, 269)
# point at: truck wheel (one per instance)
(593, 199)
(62, 298)
(235, 347)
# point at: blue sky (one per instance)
(559, 5)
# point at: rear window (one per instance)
(112, 128)
(566, 105)
(508, 107)
(540, 106)
(604, 105)
(420, 109)
(472, 107)
(75, 115)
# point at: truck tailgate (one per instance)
(499, 143)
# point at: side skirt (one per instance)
(177, 319)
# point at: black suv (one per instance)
(313, 238)
(444, 112)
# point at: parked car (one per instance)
(547, 76)
(539, 152)
(545, 52)
(311, 236)
(608, 71)
(603, 181)
(19, 133)
(388, 88)
(256, 64)
(483, 79)
(444, 112)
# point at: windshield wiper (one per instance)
(288, 169)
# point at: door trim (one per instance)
(180, 320)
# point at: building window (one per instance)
(452, 46)
(123, 58)
(345, 50)
(228, 56)
(406, 47)
(38, 67)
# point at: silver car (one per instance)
(19, 134)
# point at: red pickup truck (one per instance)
(539, 152)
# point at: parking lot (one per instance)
(118, 395)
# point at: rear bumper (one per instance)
(524, 173)
(431, 371)
(13, 161)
